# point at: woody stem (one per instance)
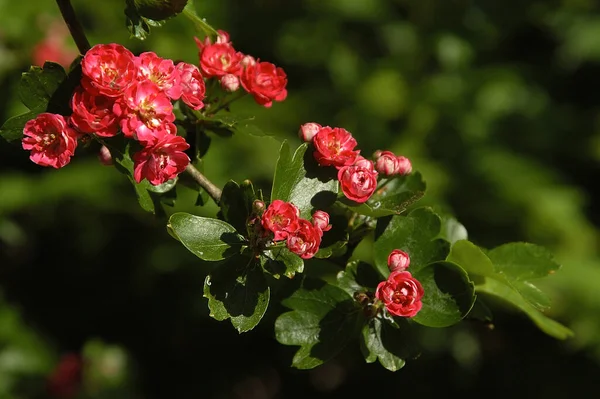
(75, 28)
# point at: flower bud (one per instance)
(158, 10)
(105, 156)
(230, 83)
(258, 207)
(248, 60)
(404, 166)
(387, 163)
(320, 220)
(308, 131)
(398, 260)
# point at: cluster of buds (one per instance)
(121, 92)
(357, 175)
(401, 293)
(303, 237)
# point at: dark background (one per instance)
(495, 102)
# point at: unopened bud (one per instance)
(308, 131)
(105, 156)
(258, 207)
(387, 163)
(320, 219)
(398, 260)
(404, 166)
(230, 83)
(248, 60)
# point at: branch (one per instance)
(68, 14)
(211, 189)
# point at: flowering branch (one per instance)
(211, 189)
(68, 14)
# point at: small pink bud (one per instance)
(398, 260)
(320, 220)
(248, 60)
(308, 131)
(387, 163)
(404, 166)
(230, 83)
(104, 156)
(377, 154)
(258, 207)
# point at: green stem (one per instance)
(75, 28)
(213, 191)
(201, 25)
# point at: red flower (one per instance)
(220, 58)
(51, 140)
(161, 72)
(162, 161)
(144, 111)
(305, 241)
(108, 69)
(358, 181)
(320, 220)
(281, 218)
(335, 147)
(65, 380)
(93, 113)
(398, 260)
(265, 82)
(401, 294)
(192, 85)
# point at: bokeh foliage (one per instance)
(494, 103)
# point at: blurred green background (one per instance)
(496, 102)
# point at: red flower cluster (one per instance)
(401, 293)
(356, 174)
(263, 80)
(302, 237)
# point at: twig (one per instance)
(68, 14)
(213, 191)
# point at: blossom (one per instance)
(401, 294)
(305, 240)
(160, 71)
(265, 82)
(398, 260)
(192, 85)
(386, 163)
(51, 140)
(219, 58)
(335, 147)
(320, 220)
(108, 69)
(144, 111)
(308, 131)
(162, 161)
(358, 181)
(281, 218)
(93, 113)
(405, 167)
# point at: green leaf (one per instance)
(232, 124)
(38, 85)
(471, 258)
(416, 233)
(281, 260)
(452, 230)
(358, 276)
(324, 319)
(163, 188)
(138, 26)
(393, 198)
(237, 290)
(299, 180)
(236, 204)
(379, 340)
(12, 129)
(448, 294)
(523, 261)
(124, 164)
(207, 238)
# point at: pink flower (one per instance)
(162, 161)
(104, 156)
(220, 58)
(305, 241)
(281, 218)
(230, 83)
(308, 131)
(192, 85)
(108, 69)
(404, 166)
(320, 220)
(51, 140)
(358, 181)
(401, 294)
(265, 82)
(93, 113)
(335, 147)
(387, 163)
(398, 260)
(144, 111)
(161, 72)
